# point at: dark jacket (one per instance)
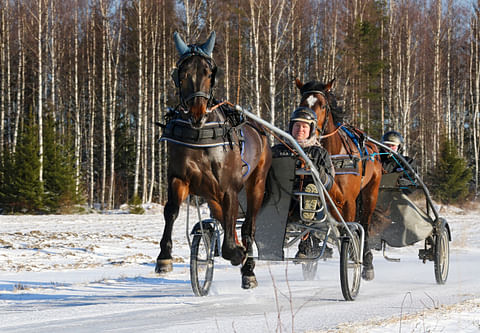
(318, 155)
(391, 164)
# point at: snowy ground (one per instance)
(95, 272)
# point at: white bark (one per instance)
(140, 101)
(7, 60)
(436, 83)
(113, 105)
(92, 71)
(227, 62)
(20, 82)
(255, 21)
(153, 112)
(40, 88)
(3, 57)
(162, 147)
(53, 55)
(77, 101)
(277, 27)
(104, 104)
(448, 88)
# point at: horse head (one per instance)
(195, 77)
(318, 97)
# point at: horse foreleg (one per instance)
(231, 249)
(177, 193)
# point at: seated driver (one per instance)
(303, 128)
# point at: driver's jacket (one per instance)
(318, 155)
(407, 179)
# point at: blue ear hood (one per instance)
(182, 48)
(207, 47)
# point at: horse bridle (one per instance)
(327, 106)
(213, 67)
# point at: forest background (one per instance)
(84, 81)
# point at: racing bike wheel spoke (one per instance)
(202, 262)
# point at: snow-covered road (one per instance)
(95, 273)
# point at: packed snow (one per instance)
(95, 273)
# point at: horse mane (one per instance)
(337, 111)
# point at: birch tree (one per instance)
(140, 100)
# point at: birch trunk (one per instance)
(227, 60)
(2, 77)
(7, 60)
(436, 89)
(390, 61)
(140, 101)
(476, 99)
(20, 81)
(153, 112)
(448, 88)
(40, 89)
(162, 147)
(145, 134)
(77, 103)
(53, 56)
(255, 19)
(92, 72)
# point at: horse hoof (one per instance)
(163, 266)
(238, 257)
(235, 261)
(249, 282)
(368, 274)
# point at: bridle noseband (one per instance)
(213, 67)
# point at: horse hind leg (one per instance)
(368, 202)
(249, 281)
(255, 188)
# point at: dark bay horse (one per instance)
(214, 156)
(358, 170)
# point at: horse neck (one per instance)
(333, 143)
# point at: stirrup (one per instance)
(310, 202)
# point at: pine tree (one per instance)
(22, 190)
(59, 171)
(451, 175)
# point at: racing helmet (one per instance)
(393, 138)
(305, 115)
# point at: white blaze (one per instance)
(311, 100)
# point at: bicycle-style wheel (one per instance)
(350, 267)
(202, 262)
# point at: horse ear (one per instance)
(329, 85)
(207, 47)
(298, 83)
(182, 48)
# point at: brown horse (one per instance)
(358, 170)
(213, 156)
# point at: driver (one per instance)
(303, 128)
(395, 142)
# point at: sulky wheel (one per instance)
(350, 267)
(202, 262)
(441, 254)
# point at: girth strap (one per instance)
(209, 135)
